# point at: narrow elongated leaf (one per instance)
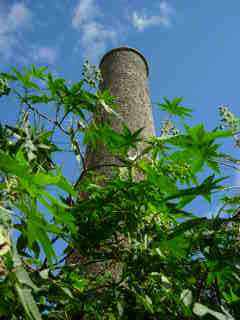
(201, 310)
(186, 297)
(28, 302)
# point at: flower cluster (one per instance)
(4, 88)
(178, 170)
(168, 129)
(231, 122)
(228, 119)
(91, 74)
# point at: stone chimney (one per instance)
(125, 74)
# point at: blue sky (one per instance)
(192, 47)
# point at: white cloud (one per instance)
(6, 45)
(85, 10)
(141, 21)
(95, 38)
(94, 35)
(165, 9)
(18, 16)
(12, 21)
(44, 54)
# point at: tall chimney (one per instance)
(125, 74)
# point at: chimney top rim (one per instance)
(125, 49)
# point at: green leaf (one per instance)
(5, 217)
(37, 232)
(146, 302)
(8, 76)
(28, 302)
(67, 291)
(205, 189)
(38, 72)
(186, 297)
(80, 284)
(24, 278)
(25, 79)
(24, 287)
(21, 274)
(176, 245)
(11, 166)
(174, 108)
(201, 310)
(188, 225)
(44, 274)
(120, 309)
(33, 99)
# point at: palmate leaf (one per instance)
(37, 228)
(188, 225)
(38, 73)
(147, 211)
(10, 166)
(174, 108)
(215, 134)
(35, 184)
(56, 86)
(205, 189)
(154, 177)
(26, 79)
(35, 99)
(43, 180)
(107, 102)
(176, 246)
(60, 211)
(200, 135)
(198, 147)
(79, 103)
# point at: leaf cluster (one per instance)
(133, 248)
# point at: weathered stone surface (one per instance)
(125, 75)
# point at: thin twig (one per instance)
(42, 115)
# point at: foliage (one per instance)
(139, 252)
